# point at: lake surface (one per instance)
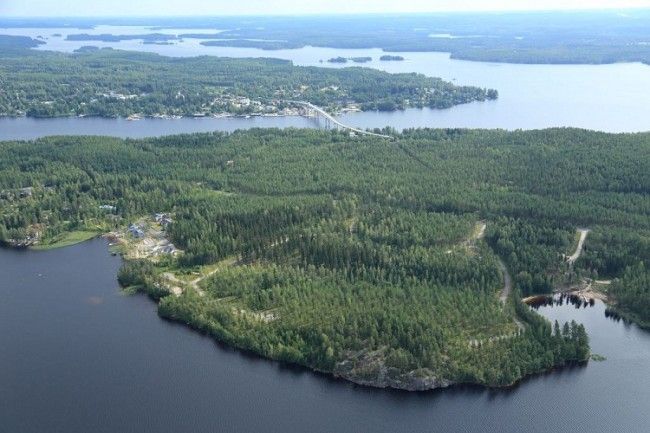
(78, 356)
(609, 98)
(25, 128)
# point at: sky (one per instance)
(70, 8)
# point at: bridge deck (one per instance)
(329, 117)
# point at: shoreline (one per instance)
(417, 385)
(351, 108)
(411, 381)
(366, 385)
(135, 117)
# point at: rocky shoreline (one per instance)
(416, 380)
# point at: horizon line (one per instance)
(349, 14)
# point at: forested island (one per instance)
(338, 60)
(353, 59)
(112, 83)
(389, 58)
(384, 262)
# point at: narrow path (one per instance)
(503, 297)
(219, 266)
(479, 233)
(581, 242)
(507, 289)
(507, 279)
(178, 285)
(507, 282)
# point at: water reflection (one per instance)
(540, 302)
(577, 301)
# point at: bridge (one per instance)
(333, 121)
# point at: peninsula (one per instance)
(409, 276)
(113, 83)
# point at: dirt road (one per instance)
(507, 282)
(581, 242)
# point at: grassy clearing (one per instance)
(67, 239)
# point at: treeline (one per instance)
(632, 294)
(332, 248)
(110, 83)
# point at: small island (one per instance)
(389, 58)
(353, 59)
